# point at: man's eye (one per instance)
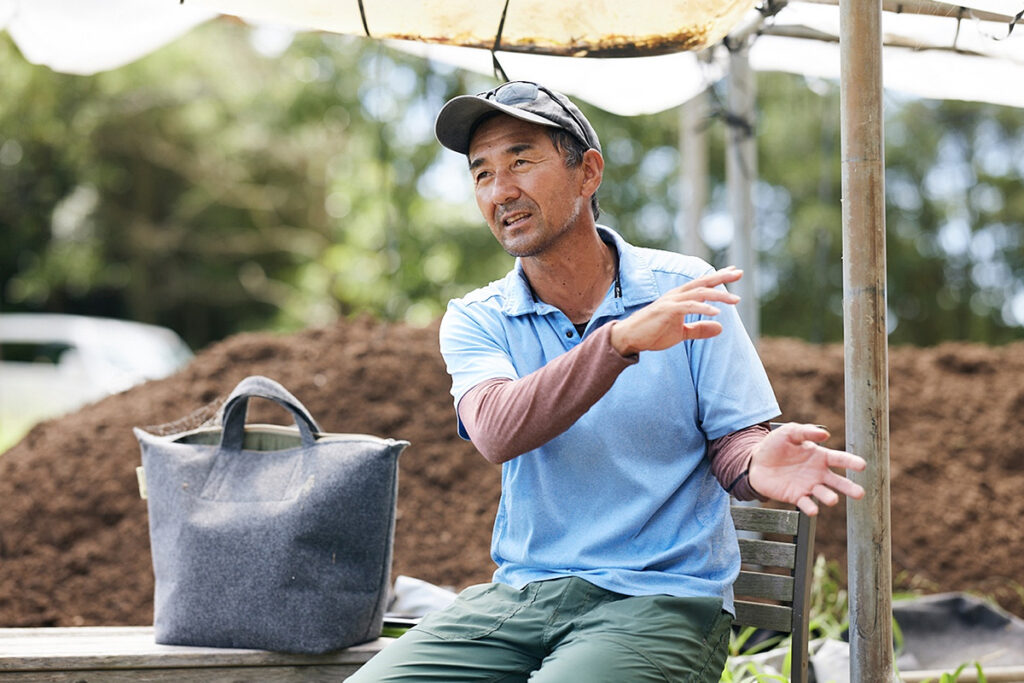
(519, 162)
(482, 175)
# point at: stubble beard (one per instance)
(543, 241)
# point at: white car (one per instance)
(51, 364)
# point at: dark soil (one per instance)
(74, 545)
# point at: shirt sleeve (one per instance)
(505, 418)
(732, 386)
(730, 460)
(475, 348)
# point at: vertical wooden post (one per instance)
(866, 351)
(740, 173)
(693, 175)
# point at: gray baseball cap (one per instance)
(523, 100)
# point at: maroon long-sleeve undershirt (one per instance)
(506, 418)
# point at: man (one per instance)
(620, 393)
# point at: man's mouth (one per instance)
(514, 218)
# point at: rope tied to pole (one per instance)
(731, 119)
(771, 7)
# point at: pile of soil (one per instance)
(74, 546)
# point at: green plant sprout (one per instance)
(829, 618)
(954, 677)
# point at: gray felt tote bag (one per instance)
(268, 537)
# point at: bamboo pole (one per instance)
(938, 9)
(865, 342)
(740, 172)
(693, 176)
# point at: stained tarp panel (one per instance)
(599, 28)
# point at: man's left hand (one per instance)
(790, 466)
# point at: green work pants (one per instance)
(559, 631)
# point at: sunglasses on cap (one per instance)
(516, 93)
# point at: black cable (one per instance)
(499, 73)
(1013, 23)
(959, 19)
(362, 15)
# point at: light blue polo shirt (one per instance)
(624, 498)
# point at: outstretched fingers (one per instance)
(841, 459)
(799, 433)
(825, 495)
(694, 307)
(719, 277)
(807, 505)
(837, 482)
(690, 293)
(843, 485)
(809, 436)
(844, 460)
(702, 329)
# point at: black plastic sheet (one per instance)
(946, 630)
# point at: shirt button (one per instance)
(569, 333)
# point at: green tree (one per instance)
(218, 186)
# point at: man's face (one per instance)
(524, 190)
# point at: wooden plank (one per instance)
(133, 647)
(767, 586)
(766, 520)
(993, 674)
(774, 617)
(264, 674)
(768, 553)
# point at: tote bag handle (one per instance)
(256, 386)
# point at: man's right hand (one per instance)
(662, 323)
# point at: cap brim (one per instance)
(455, 121)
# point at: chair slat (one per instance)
(768, 553)
(774, 617)
(767, 586)
(765, 520)
(797, 555)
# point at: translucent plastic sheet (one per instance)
(95, 35)
(980, 60)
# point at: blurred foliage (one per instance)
(222, 184)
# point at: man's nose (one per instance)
(504, 188)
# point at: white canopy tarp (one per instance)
(937, 57)
(953, 55)
(87, 36)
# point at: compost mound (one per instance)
(74, 542)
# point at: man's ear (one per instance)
(593, 171)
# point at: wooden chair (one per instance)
(778, 602)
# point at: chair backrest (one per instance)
(776, 601)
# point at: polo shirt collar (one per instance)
(638, 284)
